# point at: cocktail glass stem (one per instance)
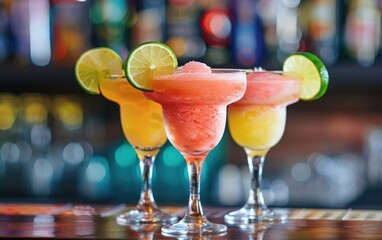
(255, 210)
(146, 210)
(146, 202)
(255, 199)
(194, 222)
(194, 207)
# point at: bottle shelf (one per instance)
(61, 79)
(52, 79)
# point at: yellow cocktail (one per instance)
(257, 128)
(257, 123)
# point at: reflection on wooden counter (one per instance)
(77, 221)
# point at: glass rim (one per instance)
(247, 70)
(117, 74)
(221, 70)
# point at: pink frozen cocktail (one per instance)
(194, 101)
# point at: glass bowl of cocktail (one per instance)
(194, 100)
(257, 122)
(100, 70)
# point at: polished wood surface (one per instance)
(80, 221)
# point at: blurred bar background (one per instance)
(58, 143)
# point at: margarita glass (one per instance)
(194, 101)
(257, 122)
(142, 125)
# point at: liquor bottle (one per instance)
(247, 40)
(70, 30)
(109, 24)
(362, 30)
(5, 50)
(288, 29)
(324, 29)
(19, 22)
(183, 31)
(216, 30)
(151, 22)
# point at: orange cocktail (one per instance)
(141, 118)
(142, 125)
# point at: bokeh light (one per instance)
(43, 169)
(73, 153)
(172, 157)
(7, 111)
(97, 170)
(125, 155)
(216, 26)
(10, 152)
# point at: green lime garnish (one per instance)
(312, 72)
(148, 60)
(94, 65)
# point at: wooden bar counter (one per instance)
(83, 221)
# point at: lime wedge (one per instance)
(313, 74)
(95, 64)
(148, 60)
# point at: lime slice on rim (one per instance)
(313, 74)
(94, 65)
(148, 60)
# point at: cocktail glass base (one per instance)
(190, 228)
(141, 217)
(249, 215)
